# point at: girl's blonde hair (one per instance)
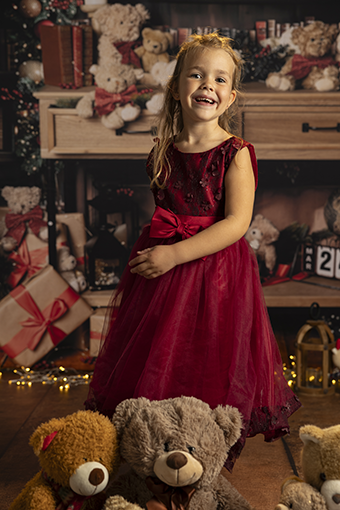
(170, 119)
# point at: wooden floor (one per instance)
(257, 475)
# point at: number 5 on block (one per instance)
(325, 261)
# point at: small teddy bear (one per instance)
(261, 235)
(112, 96)
(118, 27)
(25, 216)
(321, 461)
(175, 450)
(66, 266)
(312, 66)
(154, 49)
(78, 455)
(298, 495)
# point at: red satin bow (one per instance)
(40, 321)
(16, 223)
(165, 224)
(301, 66)
(106, 102)
(129, 56)
(171, 498)
(22, 265)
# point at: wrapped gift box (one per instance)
(38, 314)
(97, 321)
(77, 235)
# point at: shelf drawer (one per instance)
(287, 128)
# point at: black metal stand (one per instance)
(51, 212)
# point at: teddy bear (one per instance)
(320, 460)
(25, 216)
(154, 48)
(66, 266)
(313, 66)
(112, 96)
(175, 450)
(78, 455)
(118, 27)
(261, 235)
(298, 495)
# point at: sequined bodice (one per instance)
(196, 183)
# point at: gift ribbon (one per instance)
(165, 224)
(94, 335)
(40, 321)
(301, 66)
(23, 266)
(16, 223)
(106, 102)
(129, 56)
(167, 497)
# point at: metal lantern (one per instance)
(314, 344)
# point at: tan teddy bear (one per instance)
(313, 66)
(298, 495)
(154, 49)
(25, 216)
(66, 267)
(321, 461)
(113, 96)
(260, 235)
(118, 27)
(78, 455)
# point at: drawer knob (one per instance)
(306, 127)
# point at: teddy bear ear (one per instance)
(229, 419)
(36, 193)
(310, 433)
(6, 192)
(42, 436)
(125, 410)
(143, 12)
(289, 481)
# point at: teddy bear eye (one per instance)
(166, 447)
(191, 449)
(291, 505)
(85, 459)
(323, 476)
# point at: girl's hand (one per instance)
(153, 262)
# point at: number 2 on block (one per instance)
(337, 263)
(325, 261)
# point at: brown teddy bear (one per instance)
(25, 216)
(298, 495)
(175, 450)
(313, 66)
(112, 97)
(261, 235)
(118, 27)
(321, 461)
(78, 454)
(154, 49)
(66, 267)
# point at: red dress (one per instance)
(201, 329)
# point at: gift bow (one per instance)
(165, 224)
(301, 66)
(171, 498)
(106, 102)
(22, 265)
(126, 49)
(16, 223)
(40, 321)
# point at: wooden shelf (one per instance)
(298, 294)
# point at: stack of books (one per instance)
(67, 55)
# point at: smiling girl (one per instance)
(191, 318)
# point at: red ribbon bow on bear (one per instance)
(16, 223)
(106, 102)
(167, 497)
(301, 66)
(129, 56)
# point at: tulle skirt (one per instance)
(202, 329)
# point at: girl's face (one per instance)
(205, 85)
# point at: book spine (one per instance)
(56, 47)
(261, 30)
(65, 46)
(271, 27)
(87, 54)
(77, 50)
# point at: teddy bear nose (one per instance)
(336, 498)
(176, 460)
(96, 476)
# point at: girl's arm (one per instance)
(239, 200)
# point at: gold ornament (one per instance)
(30, 8)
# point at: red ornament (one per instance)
(30, 8)
(46, 22)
